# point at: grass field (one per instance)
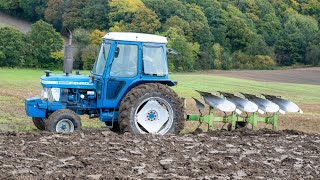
(17, 84)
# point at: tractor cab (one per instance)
(126, 60)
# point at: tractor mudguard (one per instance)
(167, 82)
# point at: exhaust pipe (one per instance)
(68, 56)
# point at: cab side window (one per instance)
(154, 61)
(125, 62)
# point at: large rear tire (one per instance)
(63, 121)
(39, 123)
(151, 108)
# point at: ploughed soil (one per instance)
(102, 154)
(298, 76)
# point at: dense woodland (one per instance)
(209, 34)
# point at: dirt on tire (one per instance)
(102, 154)
(130, 103)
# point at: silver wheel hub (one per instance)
(154, 115)
(65, 126)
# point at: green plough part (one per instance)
(234, 118)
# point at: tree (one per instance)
(167, 8)
(313, 51)
(188, 53)
(12, 46)
(11, 6)
(54, 12)
(244, 61)
(82, 37)
(313, 55)
(122, 11)
(269, 27)
(217, 18)
(257, 46)
(294, 37)
(72, 16)
(178, 23)
(43, 40)
(217, 55)
(146, 21)
(238, 33)
(33, 9)
(89, 55)
(95, 14)
(132, 16)
(96, 37)
(199, 24)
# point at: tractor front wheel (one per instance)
(63, 121)
(39, 123)
(151, 108)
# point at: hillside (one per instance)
(210, 34)
(21, 25)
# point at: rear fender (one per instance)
(165, 82)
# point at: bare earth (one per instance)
(99, 154)
(298, 76)
(21, 25)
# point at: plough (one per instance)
(241, 109)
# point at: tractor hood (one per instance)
(66, 81)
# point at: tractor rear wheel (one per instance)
(63, 121)
(39, 123)
(151, 108)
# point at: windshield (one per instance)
(100, 63)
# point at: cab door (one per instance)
(99, 70)
(123, 70)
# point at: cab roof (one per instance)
(136, 37)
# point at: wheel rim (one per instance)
(154, 115)
(65, 126)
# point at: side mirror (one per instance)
(116, 52)
(172, 51)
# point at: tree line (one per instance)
(209, 34)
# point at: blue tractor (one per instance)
(128, 89)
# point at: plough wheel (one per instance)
(151, 108)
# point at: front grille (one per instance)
(50, 96)
(53, 94)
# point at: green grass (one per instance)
(16, 84)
